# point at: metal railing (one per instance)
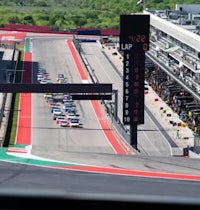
(7, 97)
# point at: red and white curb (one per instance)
(19, 151)
(16, 150)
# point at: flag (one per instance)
(140, 2)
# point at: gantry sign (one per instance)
(134, 42)
(78, 91)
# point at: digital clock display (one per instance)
(134, 32)
(137, 38)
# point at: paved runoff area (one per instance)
(182, 135)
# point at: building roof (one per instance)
(176, 31)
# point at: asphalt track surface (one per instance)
(66, 168)
(51, 146)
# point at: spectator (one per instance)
(178, 134)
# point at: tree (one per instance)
(13, 19)
(28, 20)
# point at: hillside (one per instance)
(67, 14)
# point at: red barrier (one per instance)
(21, 27)
(109, 32)
(47, 29)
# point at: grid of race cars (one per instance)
(62, 106)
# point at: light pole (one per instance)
(114, 109)
(116, 104)
(8, 74)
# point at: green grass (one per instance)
(14, 120)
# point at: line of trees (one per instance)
(66, 14)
